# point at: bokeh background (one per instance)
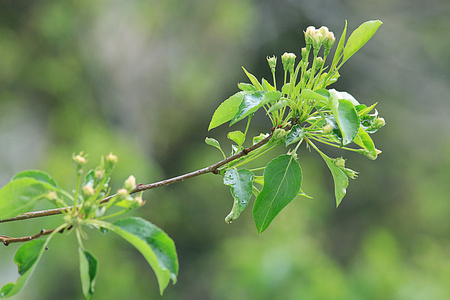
(142, 79)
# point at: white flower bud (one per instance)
(130, 183)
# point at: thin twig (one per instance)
(142, 187)
(6, 240)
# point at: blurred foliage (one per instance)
(123, 76)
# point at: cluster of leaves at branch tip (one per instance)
(303, 110)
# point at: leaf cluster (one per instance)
(302, 110)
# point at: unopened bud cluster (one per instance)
(319, 37)
(288, 60)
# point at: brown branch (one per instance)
(6, 240)
(142, 187)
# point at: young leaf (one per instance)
(282, 182)
(364, 140)
(21, 195)
(241, 183)
(36, 174)
(236, 136)
(339, 47)
(246, 87)
(214, 143)
(153, 243)
(339, 178)
(279, 105)
(26, 259)
(267, 87)
(295, 134)
(250, 104)
(88, 272)
(253, 80)
(345, 115)
(227, 110)
(360, 37)
(309, 94)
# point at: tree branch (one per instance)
(139, 188)
(6, 240)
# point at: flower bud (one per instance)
(87, 191)
(378, 123)
(324, 32)
(272, 61)
(110, 162)
(130, 183)
(139, 201)
(51, 196)
(122, 194)
(288, 60)
(329, 41)
(79, 160)
(327, 129)
(99, 174)
(350, 173)
(304, 54)
(308, 34)
(319, 63)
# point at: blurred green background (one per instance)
(142, 79)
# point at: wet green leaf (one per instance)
(241, 188)
(153, 243)
(250, 104)
(282, 183)
(88, 272)
(227, 110)
(345, 115)
(365, 141)
(295, 134)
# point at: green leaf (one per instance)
(295, 134)
(365, 110)
(213, 142)
(227, 110)
(241, 183)
(36, 174)
(246, 87)
(153, 243)
(253, 80)
(346, 116)
(237, 136)
(250, 104)
(282, 182)
(21, 195)
(339, 178)
(364, 140)
(339, 47)
(279, 105)
(26, 259)
(88, 272)
(360, 37)
(309, 94)
(267, 87)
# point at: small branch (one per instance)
(6, 240)
(141, 187)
